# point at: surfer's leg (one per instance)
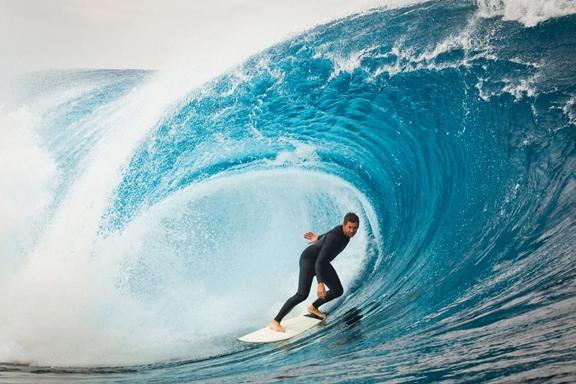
(304, 283)
(335, 287)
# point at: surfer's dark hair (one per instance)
(351, 217)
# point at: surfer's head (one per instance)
(351, 224)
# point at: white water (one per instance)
(25, 166)
(527, 12)
(208, 262)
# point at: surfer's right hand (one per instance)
(311, 236)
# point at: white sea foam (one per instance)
(28, 176)
(407, 57)
(409, 60)
(527, 12)
(347, 64)
(302, 154)
(520, 88)
(569, 110)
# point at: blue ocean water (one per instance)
(452, 136)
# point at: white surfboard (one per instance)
(293, 328)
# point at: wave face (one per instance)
(157, 228)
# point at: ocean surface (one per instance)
(146, 224)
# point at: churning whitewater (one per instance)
(146, 223)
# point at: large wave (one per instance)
(152, 227)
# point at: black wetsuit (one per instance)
(315, 260)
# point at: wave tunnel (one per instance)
(144, 233)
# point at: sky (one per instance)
(186, 35)
(152, 34)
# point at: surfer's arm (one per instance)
(313, 236)
(324, 256)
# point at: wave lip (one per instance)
(527, 12)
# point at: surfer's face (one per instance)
(350, 229)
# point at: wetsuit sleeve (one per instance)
(328, 248)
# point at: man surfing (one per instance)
(315, 261)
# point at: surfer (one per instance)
(315, 261)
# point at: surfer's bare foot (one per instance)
(316, 312)
(275, 326)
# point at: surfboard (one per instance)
(293, 327)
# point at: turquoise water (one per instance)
(452, 136)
